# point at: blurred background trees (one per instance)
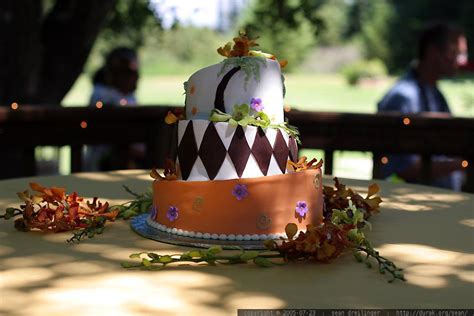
(46, 45)
(50, 49)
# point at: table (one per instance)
(427, 231)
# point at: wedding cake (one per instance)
(237, 174)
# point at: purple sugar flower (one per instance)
(301, 208)
(240, 191)
(256, 104)
(172, 213)
(153, 212)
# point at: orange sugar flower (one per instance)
(174, 116)
(303, 164)
(170, 172)
(241, 46)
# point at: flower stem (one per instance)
(384, 264)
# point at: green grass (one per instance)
(312, 92)
(318, 92)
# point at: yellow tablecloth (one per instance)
(426, 231)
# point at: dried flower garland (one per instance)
(345, 215)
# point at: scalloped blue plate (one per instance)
(140, 226)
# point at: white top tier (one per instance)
(264, 82)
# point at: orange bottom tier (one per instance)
(238, 209)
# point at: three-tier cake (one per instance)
(236, 175)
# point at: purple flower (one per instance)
(240, 191)
(153, 212)
(256, 104)
(301, 208)
(172, 213)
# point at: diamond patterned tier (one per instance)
(212, 152)
(187, 151)
(219, 151)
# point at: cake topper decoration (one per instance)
(241, 57)
(241, 48)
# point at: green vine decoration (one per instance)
(241, 116)
(249, 65)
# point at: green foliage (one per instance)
(182, 50)
(364, 69)
(286, 28)
(130, 23)
(389, 29)
(335, 22)
(375, 28)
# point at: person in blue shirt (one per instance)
(441, 50)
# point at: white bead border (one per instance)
(192, 234)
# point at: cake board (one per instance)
(140, 226)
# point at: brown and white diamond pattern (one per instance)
(220, 151)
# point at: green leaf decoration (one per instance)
(135, 255)
(233, 122)
(165, 259)
(249, 65)
(358, 256)
(214, 250)
(219, 116)
(249, 255)
(263, 262)
(261, 120)
(240, 112)
(195, 254)
(146, 262)
(245, 121)
(128, 265)
(153, 256)
(289, 129)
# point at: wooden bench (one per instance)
(77, 126)
(426, 134)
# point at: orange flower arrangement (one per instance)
(51, 209)
(241, 47)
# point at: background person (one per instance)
(441, 50)
(115, 85)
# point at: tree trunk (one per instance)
(20, 49)
(43, 56)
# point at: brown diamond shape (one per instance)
(293, 150)
(280, 151)
(239, 150)
(262, 150)
(212, 151)
(187, 151)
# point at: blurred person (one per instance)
(442, 49)
(114, 85)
